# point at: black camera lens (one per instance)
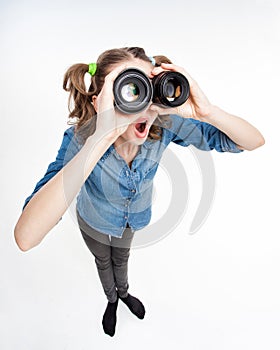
(132, 90)
(171, 89)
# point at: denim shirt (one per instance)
(115, 194)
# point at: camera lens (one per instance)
(132, 90)
(171, 89)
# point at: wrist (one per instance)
(100, 137)
(209, 114)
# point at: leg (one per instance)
(102, 252)
(99, 245)
(120, 254)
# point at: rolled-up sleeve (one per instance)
(63, 156)
(204, 136)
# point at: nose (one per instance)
(153, 108)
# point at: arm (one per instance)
(50, 202)
(55, 166)
(245, 135)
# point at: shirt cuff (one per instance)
(227, 145)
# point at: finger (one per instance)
(106, 92)
(172, 67)
(175, 68)
(157, 70)
(115, 72)
(167, 67)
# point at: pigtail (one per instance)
(80, 100)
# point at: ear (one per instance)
(94, 102)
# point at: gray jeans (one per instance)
(111, 258)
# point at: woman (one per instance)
(110, 160)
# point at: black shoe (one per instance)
(110, 318)
(134, 305)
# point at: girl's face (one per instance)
(138, 131)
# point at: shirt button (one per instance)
(125, 217)
(126, 205)
(133, 191)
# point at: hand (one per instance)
(197, 105)
(110, 122)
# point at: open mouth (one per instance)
(141, 126)
(141, 129)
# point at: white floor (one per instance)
(219, 294)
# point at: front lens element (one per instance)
(169, 91)
(130, 92)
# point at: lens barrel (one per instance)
(171, 89)
(134, 90)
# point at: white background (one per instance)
(217, 289)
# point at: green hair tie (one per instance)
(92, 68)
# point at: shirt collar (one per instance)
(148, 144)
